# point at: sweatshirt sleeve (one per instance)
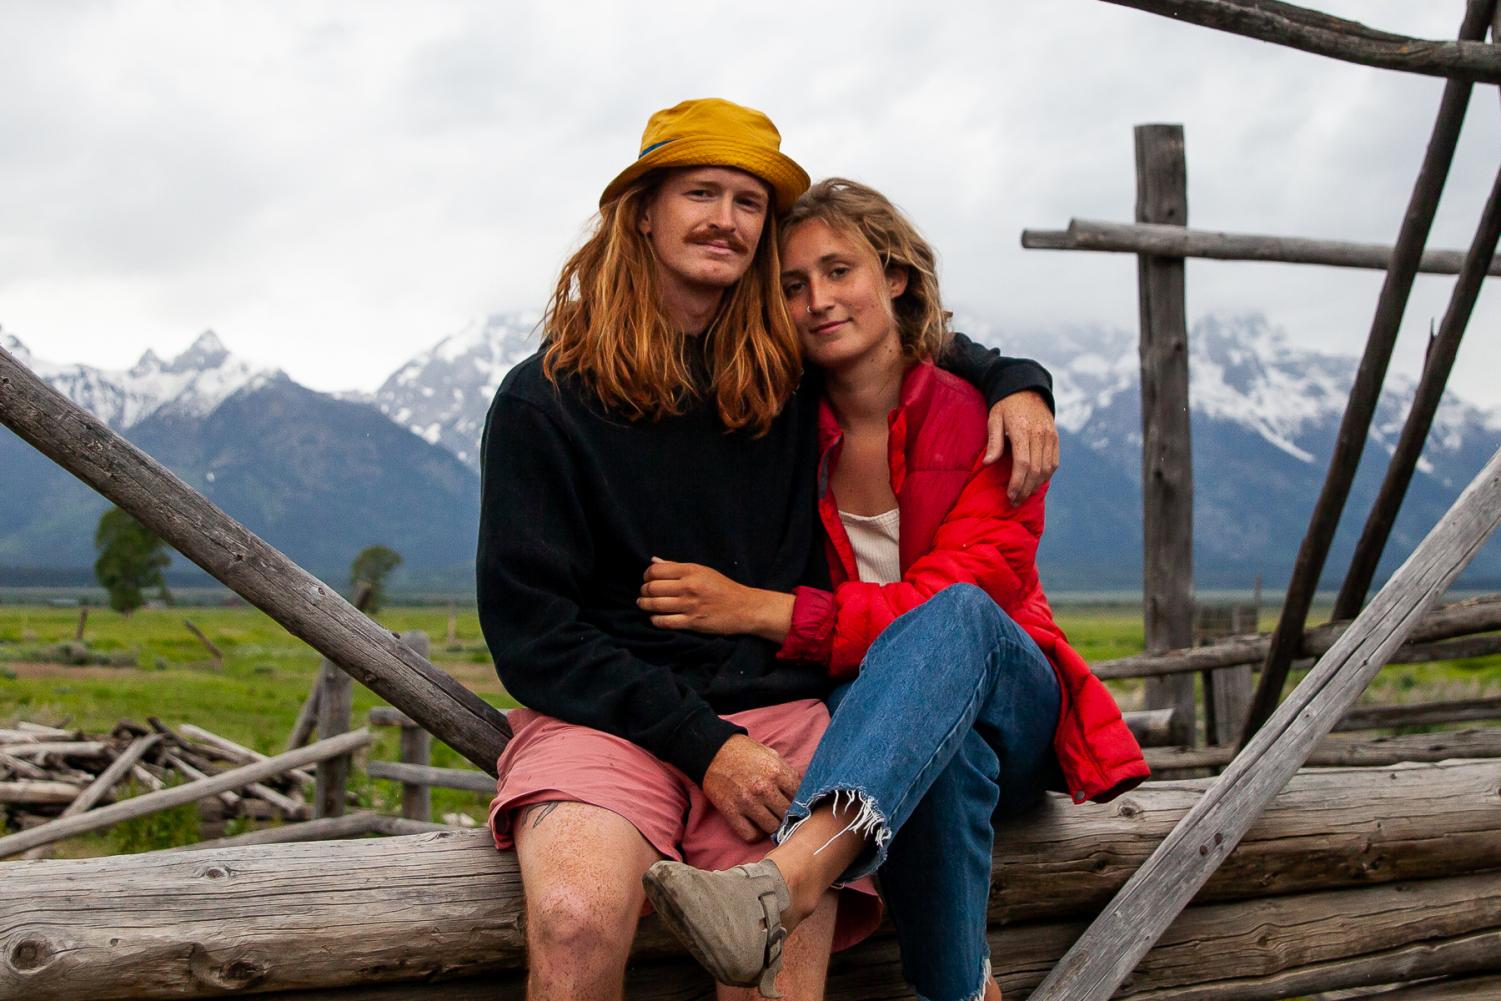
(993, 374)
(984, 540)
(535, 556)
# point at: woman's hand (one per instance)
(692, 596)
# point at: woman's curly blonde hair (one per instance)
(868, 216)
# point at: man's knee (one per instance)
(578, 920)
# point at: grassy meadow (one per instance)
(149, 664)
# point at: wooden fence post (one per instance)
(335, 711)
(1166, 459)
(417, 746)
(1153, 897)
(1355, 426)
(83, 620)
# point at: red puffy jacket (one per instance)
(957, 526)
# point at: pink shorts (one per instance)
(549, 760)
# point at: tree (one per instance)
(131, 560)
(372, 566)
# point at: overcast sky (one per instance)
(333, 187)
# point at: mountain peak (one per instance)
(149, 362)
(205, 353)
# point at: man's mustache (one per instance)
(733, 242)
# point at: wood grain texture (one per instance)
(1166, 455)
(324, 915)
(1181, 241)
(1337, 38)
(1268, 950)
(304, 605)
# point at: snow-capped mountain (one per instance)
(1246, 372)
(318, 477)
(442, 394)
(191, 385)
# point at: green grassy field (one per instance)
(160, 669)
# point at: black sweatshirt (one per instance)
(574, 503)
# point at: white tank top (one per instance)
(874, 538)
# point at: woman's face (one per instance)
(840, 298)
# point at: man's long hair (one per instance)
(605, 323)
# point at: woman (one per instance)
(969, 701)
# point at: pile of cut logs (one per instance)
(47, 773)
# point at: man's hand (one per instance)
(751, 785)
(692, 596)
(1025, 421)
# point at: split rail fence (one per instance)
(1269, 881)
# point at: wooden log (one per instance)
(1421, 714)
(335, 716)
(208, 644)
(388, 716)
(38, 792)
(59, 749)
(1337, 38)
(21, 767)
(1449, 745)
(42, 729)
(417, 749)
(1150, 727)
(1473, 615)
(322, 915)
(236, 752)
(1356, 423)
(146, 779)
(229, 798)
(1478, 988)
(1442, 351)
(1166, 456)
(1104, 956)
(417, 797)
(305, 606)
(447, 778)
(106, 782)
(177, 795)
(1180, 241)
(307, 716)
(351, 825)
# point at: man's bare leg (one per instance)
(581, 870)
(805, 958)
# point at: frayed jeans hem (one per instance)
(869, 823)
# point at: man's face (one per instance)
(704, 224)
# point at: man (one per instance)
(663, 418)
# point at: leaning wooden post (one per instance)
(1337, 38)
(1364, 395)
(307, 716)
(1152, 898)
(1166, 458)
(83, 620)
(208, 644)
(1426, 398)
(305, 606)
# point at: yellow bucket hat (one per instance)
(716, 133)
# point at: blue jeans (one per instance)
(948, 726)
